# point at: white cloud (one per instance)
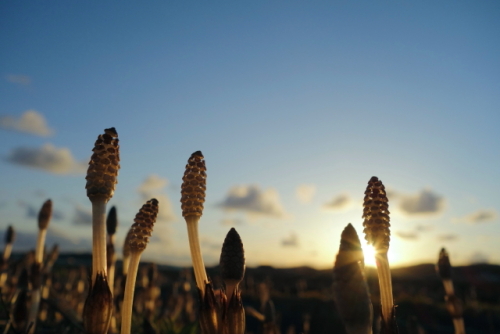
(252, 200)
(423, 203)
(478, 217)
(19, 79)
(338, 203)
(153, 187)
(48, 158)
(305, 193)
(291, 241)
(31, 121)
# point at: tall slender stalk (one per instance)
(111, 224)
(9, 241)
(101, 181)
(192, 199)
(139, 238)
(44, 217)
(453, 304)
(377, 233)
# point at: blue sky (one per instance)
(295, 105)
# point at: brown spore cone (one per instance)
(103, 166)
(194, 186)
(376, 215)
(112, 221)
(444, 265)
(232, 258)
(142, 229)
(44, 215)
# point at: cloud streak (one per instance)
(48, 158)
(338, 203)
(305, 193)
(254, 201)
(19, 79)
(425, 202)
(407, 235)
(291, 241)
(31, 121)
(479, 217)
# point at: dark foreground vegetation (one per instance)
(167, 302)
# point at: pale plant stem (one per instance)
(448, 287)
(40, 245)
(35, 303)
(458, 323)
(7, 251)
(126, 263)
(384, 278)
(98, 238)
(194, 245)
(230, 290)
(128, 298)
(111, 278)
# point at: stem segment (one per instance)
(98, 238)
(384, 278)
(128, 299)
(194, 245)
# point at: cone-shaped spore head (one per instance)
(232, 258)
(376, 215)
(350, 247)
(44, 215)
(103, 167)
(194, 186)
(443, 266)
(143, 227)
(10, 235)
(111, 221)
(350, 290)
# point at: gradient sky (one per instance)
(295, 105)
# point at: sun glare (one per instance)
(369, 253)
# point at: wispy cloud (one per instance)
(426, 202)
(32, 211)
(19, 79)
(254, 201)
(338, 203)
(67, 243)
(447, 237)
(231, 222)
(48, 158)
(407, 235)
(31, 121)
(478, 217)
(291, 241)
(153, 187)
(305, 193)
(82, 216)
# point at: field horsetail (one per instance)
(101, 181)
